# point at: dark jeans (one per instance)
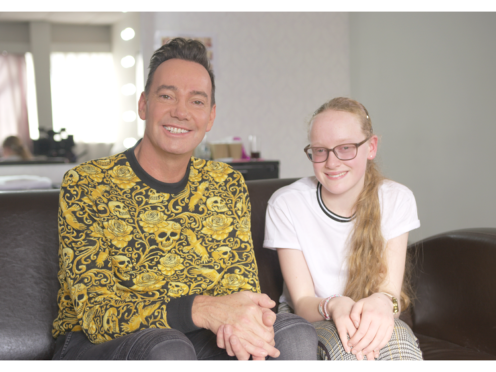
(295, 338)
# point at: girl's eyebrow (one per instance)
(338, 142)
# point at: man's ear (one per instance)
(212, 118)
(142, 106)
(372, 147)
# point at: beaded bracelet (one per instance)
(322, 314)
(323, 306)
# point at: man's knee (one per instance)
(295, 337)
(163, 344)
(287, 322)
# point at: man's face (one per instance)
(178, 108)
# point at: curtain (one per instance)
(13, 104)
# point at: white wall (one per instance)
(272, 71)
(429, 83)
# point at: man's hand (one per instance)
(243, 323)
(226, 339)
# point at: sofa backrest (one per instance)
(28, 273)
(269, 271)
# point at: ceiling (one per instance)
(98, 18)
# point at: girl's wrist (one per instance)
(391, 299)
(323, 310)
(327, 303)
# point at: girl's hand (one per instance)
(339, 309)
(373, 316)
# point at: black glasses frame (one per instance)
(357, 145)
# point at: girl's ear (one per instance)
(372, 147)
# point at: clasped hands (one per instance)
(243, 323)
(369, 323)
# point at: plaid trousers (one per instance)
(402, 346)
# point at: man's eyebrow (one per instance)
(174, 88)
(199, 93)
(167, 87)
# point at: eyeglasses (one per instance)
(347, 151)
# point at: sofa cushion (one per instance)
(435, 349)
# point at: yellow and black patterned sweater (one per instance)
(134, 251)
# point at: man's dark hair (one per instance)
(180, 48)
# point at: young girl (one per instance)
(341, 237)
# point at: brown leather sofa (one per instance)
(455, 279)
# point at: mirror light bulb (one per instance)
(127, 34)
(127, 61)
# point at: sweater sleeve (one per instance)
(91, 298)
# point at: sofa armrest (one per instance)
(454, 279)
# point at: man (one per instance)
(156, 257)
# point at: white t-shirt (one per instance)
(297, 218)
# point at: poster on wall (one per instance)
(163, 37)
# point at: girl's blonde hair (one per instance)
(367, 263)
(14, 143)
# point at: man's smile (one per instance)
(175, 130)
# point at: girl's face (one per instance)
(341, 178)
